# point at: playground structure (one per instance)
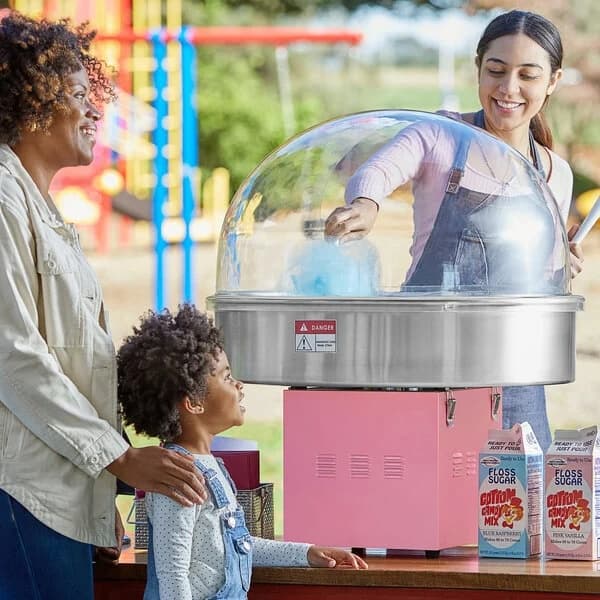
(147, 159)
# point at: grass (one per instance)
(269, 438)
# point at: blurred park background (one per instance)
(250, 97)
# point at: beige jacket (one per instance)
(58, 400)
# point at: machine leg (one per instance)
(432, 553)
(359, 551)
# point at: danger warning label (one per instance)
(315, 336)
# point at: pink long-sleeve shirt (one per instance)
(424, 154)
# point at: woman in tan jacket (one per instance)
(60, 445)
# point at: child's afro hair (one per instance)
(168, 357)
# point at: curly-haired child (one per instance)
(175, 383)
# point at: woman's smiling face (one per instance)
(515, 78)
(73, 133)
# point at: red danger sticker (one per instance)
(315, 336)
(315, 326)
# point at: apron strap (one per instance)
(479, 120)
(537, 159)
(458, 168)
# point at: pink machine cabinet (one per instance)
(385, 469)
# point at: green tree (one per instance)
(298, 7)
(239, 107)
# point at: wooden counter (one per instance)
(457, 575)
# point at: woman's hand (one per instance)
(576, 254)
(156, 469)
(320, 556)
(111, 554)
(352, 222)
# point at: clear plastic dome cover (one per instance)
(467, 215)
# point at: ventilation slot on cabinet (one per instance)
(326, 466)
(472, 464)
(458, 465)
(393, 467)
(360, 466)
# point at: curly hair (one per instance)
(168, 357)
(35, 59)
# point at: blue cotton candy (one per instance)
(323, 268)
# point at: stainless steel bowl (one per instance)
(381, 342)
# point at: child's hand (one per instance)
(320, 556)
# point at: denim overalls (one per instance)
(236, 540)
(481, 260)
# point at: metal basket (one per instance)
(258, 510)
(256, 503)
(138, 517)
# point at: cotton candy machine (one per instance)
(304, 311)
(300, 310)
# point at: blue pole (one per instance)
(161, 139)
(189, 150)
